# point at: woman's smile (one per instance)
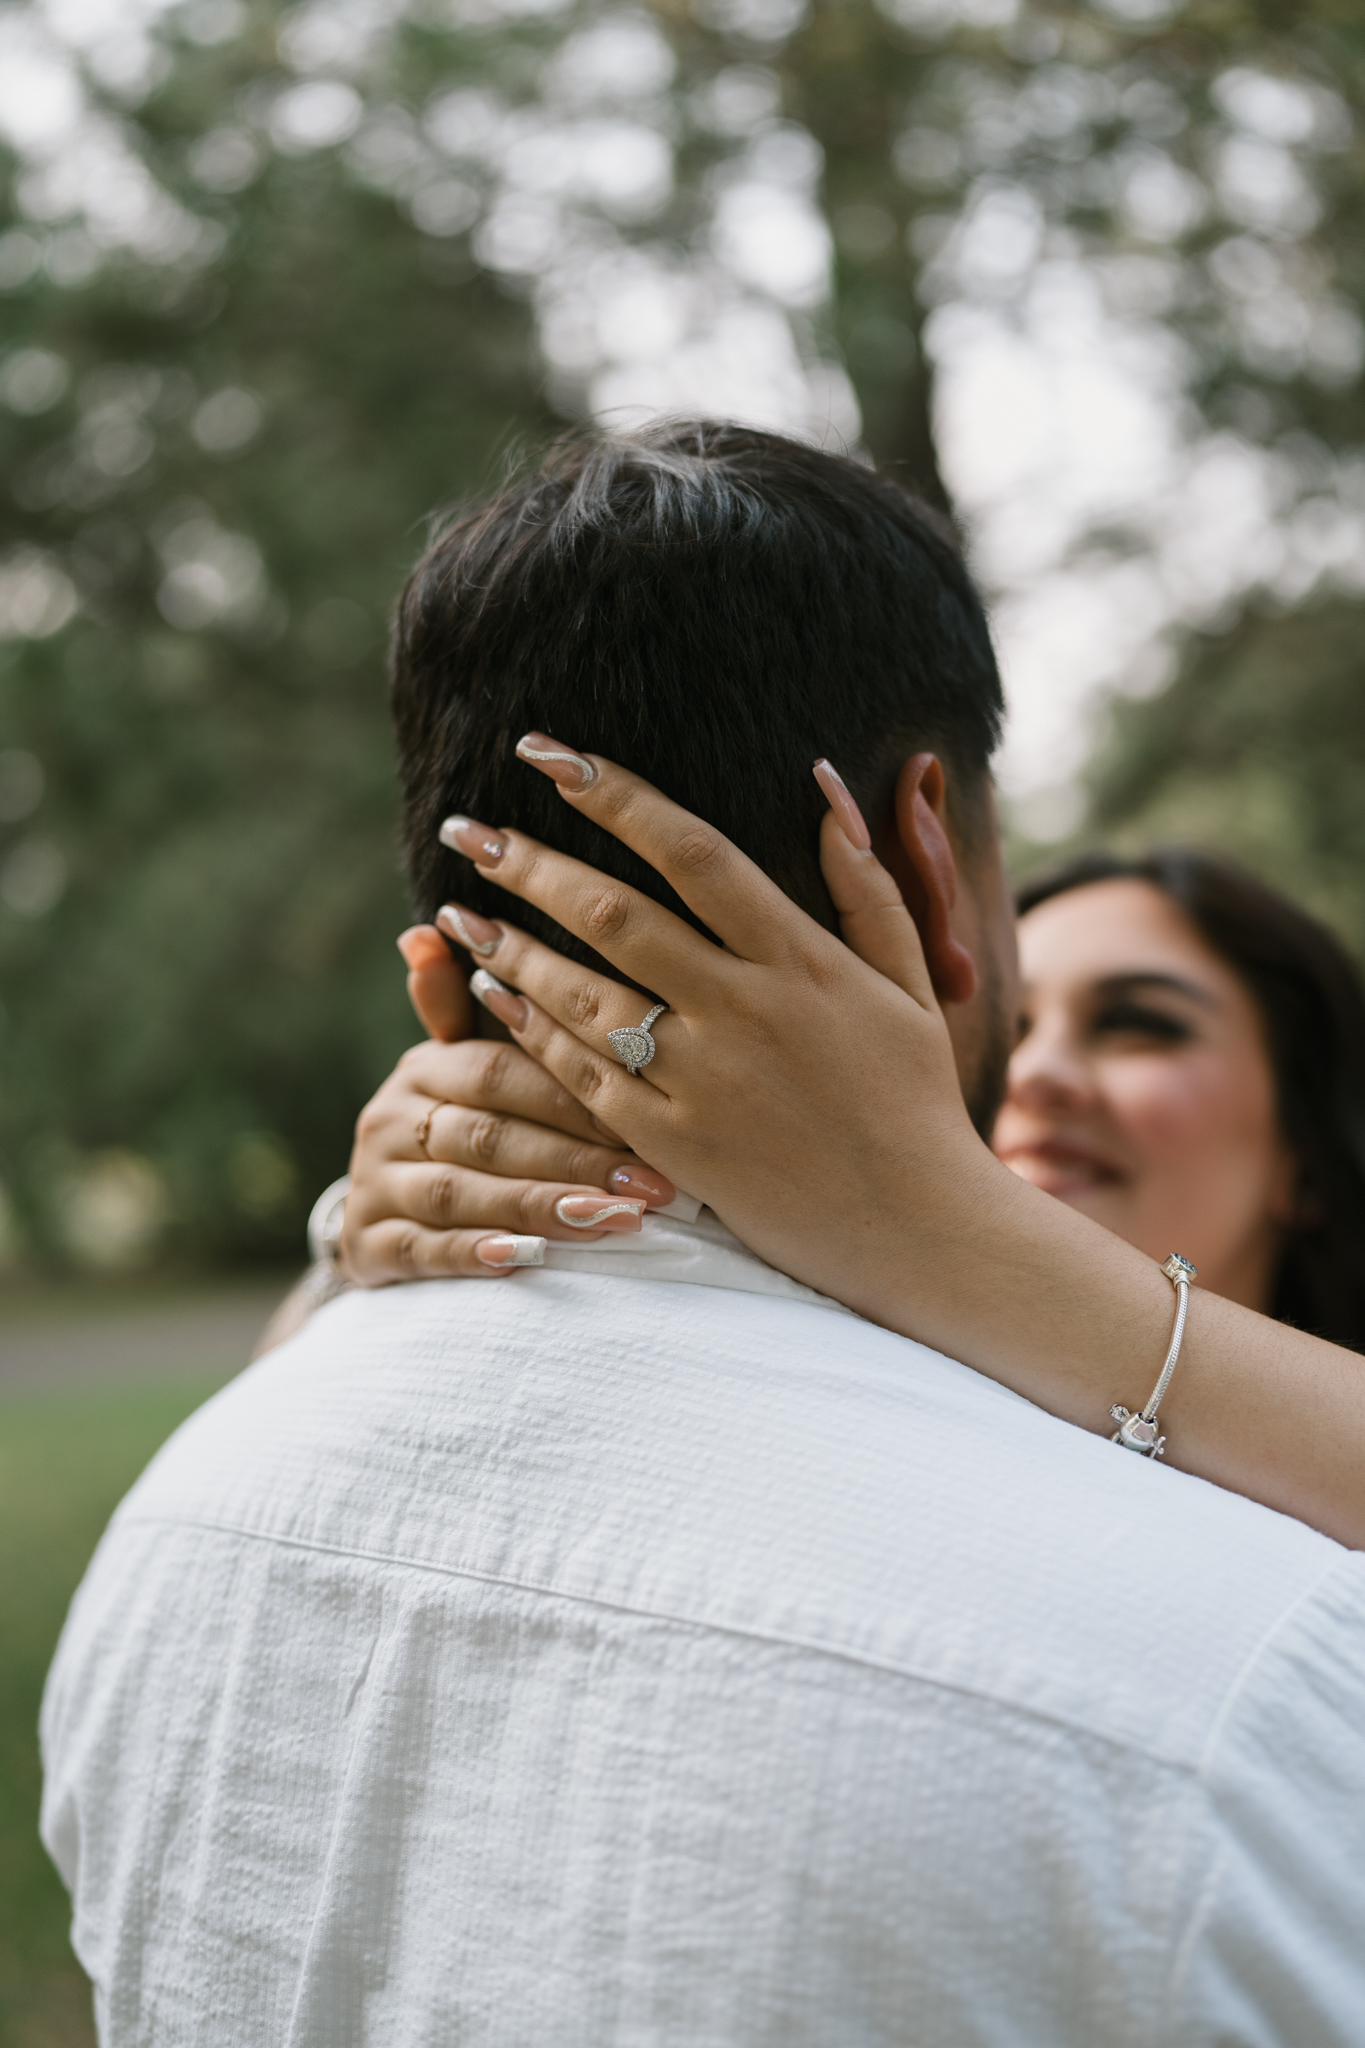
(1140, 1090)
(1059, 1166)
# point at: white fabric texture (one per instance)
(590, 1657)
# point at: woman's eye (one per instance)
(1135, 1020)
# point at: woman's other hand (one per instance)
(470, 1156)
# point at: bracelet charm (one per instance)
(1139, 1432)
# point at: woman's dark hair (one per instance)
(1312, 1002)
(713, 607)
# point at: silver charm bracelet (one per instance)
(324, 1279)
(1139, 1432)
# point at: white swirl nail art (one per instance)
(482, 984)
(448, 915)
(599, 1216)
(587, 768)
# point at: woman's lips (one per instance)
(1058, 1168)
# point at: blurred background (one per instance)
(277, 283)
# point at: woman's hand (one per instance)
(470, 1156)
(804, 1088)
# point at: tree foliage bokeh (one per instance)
(231, 482)
(297, 277)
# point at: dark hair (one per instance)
(1312, 1003)
(713, 607)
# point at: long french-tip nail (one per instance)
(503, 1003)
(590, 1212)
(842, 804)
(475, 842)
(651, 1187)
(507, 1250)
(571, 771)
(468, 929)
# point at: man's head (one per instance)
(714, 608)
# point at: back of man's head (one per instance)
(714, 608)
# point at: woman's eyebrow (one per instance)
(1115, 984)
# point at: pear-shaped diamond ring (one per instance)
(635, 1044)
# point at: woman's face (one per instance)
(1141, 1092)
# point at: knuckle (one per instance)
(585, 1164)
(582, 1006)
(590, 1080)
(697, 850)
(822, 972)
(487, 1137)
(407, 1251)
(444, 1197)
(371, 1122)
(562, 1108)
(613, 801)
(606, 914)
(413, 1072)
(493, 1068)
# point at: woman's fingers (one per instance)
(479, 1074)
(397, 1249)
(722, 886)
(597, 1078)
(432, 1179)
(639, 936)
(873, 919)
(514, 1150)
(587, 1004)
(411, 1222)
(460, 1198)
(436, 988)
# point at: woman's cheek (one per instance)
(1174, 1113)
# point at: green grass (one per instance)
(66, 1459)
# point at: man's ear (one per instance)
(924, 865)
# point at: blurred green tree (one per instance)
(1257, 749)
(226, 457)
(1202, 168)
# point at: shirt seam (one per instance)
(1184, 1947)
(1241, 1679)
(776, 1637)
(1187, 1938)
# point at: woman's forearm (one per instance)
(1063, 1312)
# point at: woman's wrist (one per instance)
(1052, 1305)
(1023, 1289)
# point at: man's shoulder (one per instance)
(759, 1465)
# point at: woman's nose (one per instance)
(1049, 1070)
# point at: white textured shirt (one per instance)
(643, 1651)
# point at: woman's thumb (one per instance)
(436, 988)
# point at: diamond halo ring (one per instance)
(635, 1043)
